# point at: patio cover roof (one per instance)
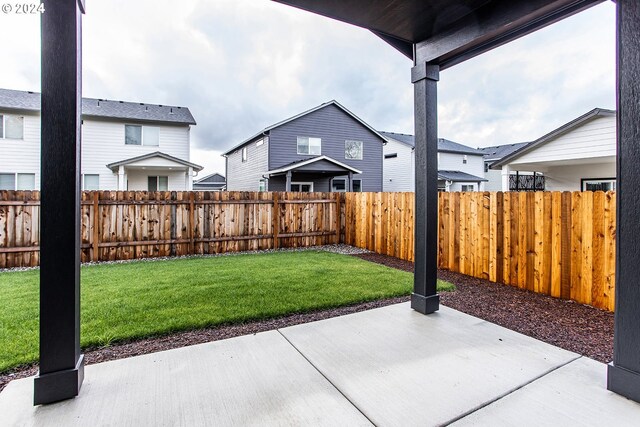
(179, 162)
(301, 166)
(457, 29)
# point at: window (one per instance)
(7, 181)
(353, 150)
(158, 183)
(262, 185)
(302, 187)
(19, 181)
(244, 154)
(357, 185)
(599, 184)
(464, 159)
(339, 185)
(391, 156)
(11, 127)
(486, 167)
(141, 135)
(309, 146)
(90, 182)
(468, 187)
(260, 142)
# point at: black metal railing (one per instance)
(519, 182)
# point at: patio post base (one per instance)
(59, 385)
(425, 305)
(623, 382)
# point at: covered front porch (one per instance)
(155, 172)
(319, 174)
(387, 366)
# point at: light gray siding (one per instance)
(246, 176)
(399, 171)
(333, 126)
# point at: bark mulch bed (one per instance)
(566, 324)
(576, 327)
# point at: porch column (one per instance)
(506, 171)
(425, 76)
(624, 373)
(122, 179)
(350, 183)
(61, 364)
(288, 184)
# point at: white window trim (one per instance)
(83, 184)
(244, 154)
(15, 179)
(339, 191)
(303, 183)
(142, 144)
(361, 149)
(308, 145)
(585, 181)
(4, 127)
(157, 177)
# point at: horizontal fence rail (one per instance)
(559, 244)
(121, 225)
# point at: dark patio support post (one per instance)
(288, 182)
(424, 77)
(61, 364)
(350, 183)
(624, 373)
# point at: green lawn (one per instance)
(139, 299)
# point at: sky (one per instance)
(241, 65)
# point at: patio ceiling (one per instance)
(456, 29)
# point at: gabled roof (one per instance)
(213, 178)
(297, 116)
(299, 163)
(444, 145)
(138, 111)
(567, 127)
(458, 176)
(492, 154)
(114, 166)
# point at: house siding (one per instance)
(596, 138)
(568, 177)
(22, 155)
(398, 172)
(246, 176)
(494, 180)
(333, 126)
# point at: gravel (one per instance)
(566, 324)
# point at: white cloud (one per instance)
(240, 65)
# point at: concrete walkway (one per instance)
(389, 366)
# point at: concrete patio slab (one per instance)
(251, 380)
(575, 394)
(402, 368)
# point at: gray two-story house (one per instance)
(327, 148)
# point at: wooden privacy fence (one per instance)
(559, 244)
(121, 225)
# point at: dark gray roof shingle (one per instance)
(138, 111)
(444, 145)
(458, 176)
(499, 151)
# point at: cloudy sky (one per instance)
(240, 65)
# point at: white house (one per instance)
(577, 156)
(492, 155)
(460, 168)
(125, 145)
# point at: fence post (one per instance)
(191, 223)
(275, 221)
(338, 221)
(96, 226)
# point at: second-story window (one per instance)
(244, 154)
(141, 135)
(353, 150)
(310, 146)
(11, 127)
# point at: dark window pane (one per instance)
(132, 135)
(153, 183)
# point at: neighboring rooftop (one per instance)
(297, 116)
(458, 176)
(139, 111)
(492, 154)
(444, 145)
